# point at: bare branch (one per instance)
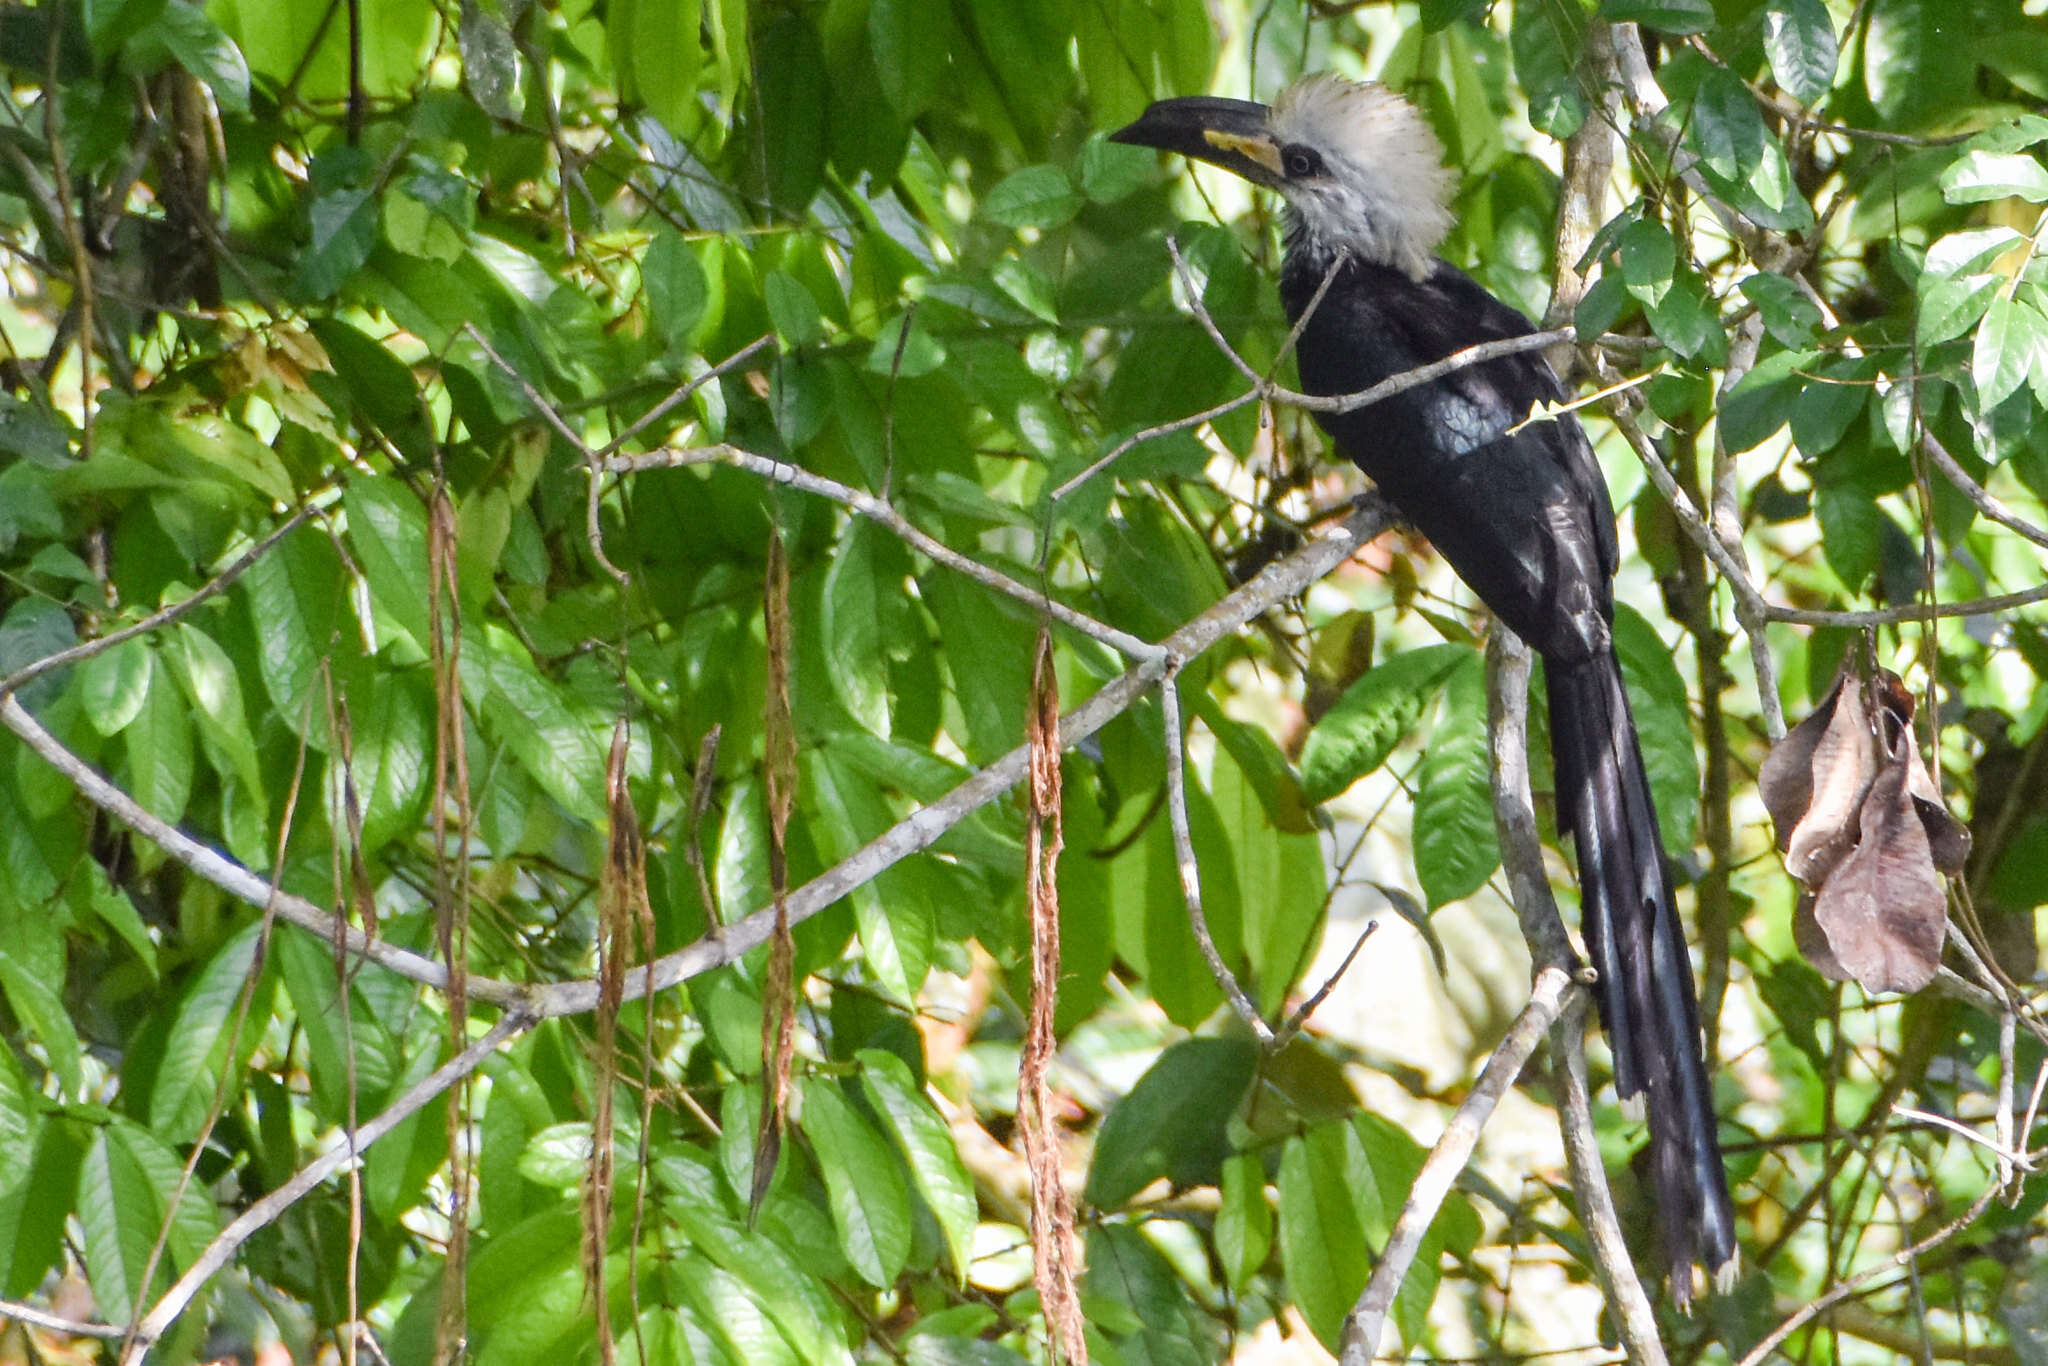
(217, 868)
(56, 1323)
(1278, 581)
(1514, 816)
(1190, 873)
(1285, 1034)
(1453, 1150)
(1903, 1257)
(261, 1213)
(875, 510)
(86, 649)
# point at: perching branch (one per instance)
(263, 1212)
(885, 515)
(1521, 854)
(1190, 872)
(1453, 1150)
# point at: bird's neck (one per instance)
(1317, 240)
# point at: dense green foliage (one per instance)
(397, 289)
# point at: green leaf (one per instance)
(1762, 402)
(1951, 305)
(790, 83)
(1244, 1221)
(95, 897)
(197, 1045)
(1666, 16)
(910, 39)
(855, 627)
(1789, 315)
(38, 1004)
(115, 1203)
(387, 528)
(159, 747)
(664, 54)
(792, 309)
(1978, 176)
(1799, 35)
(199, 45)
(2012, 348)
(1546, 37)
(794, 1299)
(1456, 848)
(1852, 532)
(1322, 1245)
(1836, 391)
(1648, 256)
(1663, 715)
(1175, 1121)
(209, 679)
(18, 1122)
(113, 686)
(1727, 127)
(559, 740)
(298, 596)
(345, 227)
(870, 1208)
(33, 1214)
(677, 291)
(1111, 171)
(490, 60)
(1039, 197)
(1356, 735)
(926, 1143)
(897, 929)
(125, 1188)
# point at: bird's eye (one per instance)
(1301, 162)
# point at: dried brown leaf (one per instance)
(1812, 941)
(1841, 770)
(1785, 780)
(1883, 908)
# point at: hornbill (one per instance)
(1522, 513)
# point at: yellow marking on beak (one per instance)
(1258, 149)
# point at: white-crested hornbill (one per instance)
(1522, 513)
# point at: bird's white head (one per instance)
(1362, 172)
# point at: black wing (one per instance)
(1525, 518)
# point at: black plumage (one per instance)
(1519, 509)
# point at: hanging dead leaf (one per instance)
(1814, 781)
(1948, 839)
(1883, 909)
(1813, 941)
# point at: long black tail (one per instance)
(1645, 990)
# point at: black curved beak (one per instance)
(1233, 134)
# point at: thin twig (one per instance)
(2007, 1157)
(917, 831)
(213, 587)
(1980, 497)
(1190, 872)
(1285, 1034)
(1521, 851)
(1277, 582)
(210, 865)
(1904, 1257)
(886, 515)
(56, 1323)
(262, 1213)
(1362, 1327)
(683, 392)
(1266, 390)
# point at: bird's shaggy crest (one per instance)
(1382, 196)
